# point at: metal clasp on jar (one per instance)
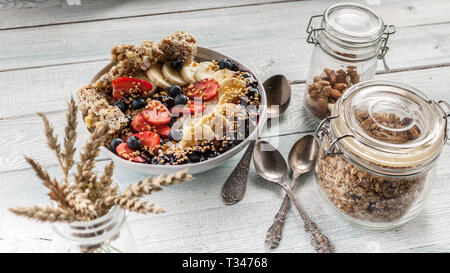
(446, 116)
(388, 31)
(322, 130)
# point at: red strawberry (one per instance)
(156, 113)
(139, 125)
(129, 154)
(125, 85)
(148, 139)
(179, 110)
(206, 89)
(163, 131)
(195, 106)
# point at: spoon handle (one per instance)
(319, 241)
(234, 188)
(275, 232)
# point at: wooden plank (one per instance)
(29, 138)
(261, 26)
(18, 14)
(51, 85)
(197, 221)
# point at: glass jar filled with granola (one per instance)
(348, 43)
(379, 150)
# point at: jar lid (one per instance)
(351, 22)
(391, 128)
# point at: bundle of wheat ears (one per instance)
(91, 194)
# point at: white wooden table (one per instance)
(49, 49)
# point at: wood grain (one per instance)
(20, 14)
(276, 27)
(197, 221)
(29, 138)
(49, 49)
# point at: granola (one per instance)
(365, 195)
(162, 106)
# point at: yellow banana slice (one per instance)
(156, 77)
(222, 74)
(172, 76)
(204, 70)
(188, 72)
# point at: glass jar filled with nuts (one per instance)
(379, 150)
(348, 43)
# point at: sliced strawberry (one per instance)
(195, 106)
(148, 139)
(163, 131)
(206, 89)
(139, 125)
(125, 85)
(179, 110)
(129, 154)
(156, 113)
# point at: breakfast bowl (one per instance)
(202, 54)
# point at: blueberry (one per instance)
(180, 99)
(138, 103)
(174, 91)
(252, 92)
(175, 135)
(133, 142)
(225, 63)
(130, 119)
(167, 101)
(122, 106)
(194, 157)
(176, 64)
(114, 143)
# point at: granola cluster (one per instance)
(364, 195)
(328, 87)
(95, 104)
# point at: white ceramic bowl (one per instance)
(202, 54)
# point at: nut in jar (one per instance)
(348, 43)
(374, 168)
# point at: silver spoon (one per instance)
(270, 165)
(301, 160)
(278, 92)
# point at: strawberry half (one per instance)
(129, 154)
(195, 106)
(148, 139)
(206, 89)
(156, 113)
(179, 110)
(139, 125)
(125, 85)
(163, 131)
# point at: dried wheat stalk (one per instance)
(45, 214)
(90, 195)
(69, 140)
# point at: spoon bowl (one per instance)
(303, 154)
(278, 92)
(265, 152)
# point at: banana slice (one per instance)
(156, 77)
(229, 83)
(172, 76)
(204, 70)
(188, 72)
(222, 74)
